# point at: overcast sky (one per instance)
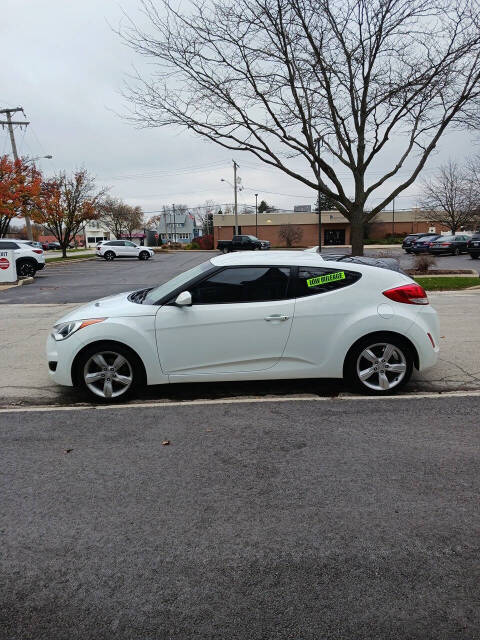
(65, 66)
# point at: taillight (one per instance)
(40, 251)
(446, 244)
(408, 294)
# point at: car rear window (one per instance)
(311, 281)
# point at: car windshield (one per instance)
(164, 289)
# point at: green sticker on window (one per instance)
(329, 277)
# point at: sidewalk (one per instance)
(24, 329)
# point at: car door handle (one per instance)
(276, 317)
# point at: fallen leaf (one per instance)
(67, 450)
(209, 429)
(442, 336)
(166, 442)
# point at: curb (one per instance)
(52, 264)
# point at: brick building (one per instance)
(335, 228)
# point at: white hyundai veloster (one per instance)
(251, 316)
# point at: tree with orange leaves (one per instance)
(20, 185)
(66, 203)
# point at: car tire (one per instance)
(225, 250)
(129, 369)
(381, 381)
(143, 255)
(456, 252)
(26, 268)
(473, 257)
(109, 256)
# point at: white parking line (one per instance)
(250, 400)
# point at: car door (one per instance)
(239, 322)
(131, 249)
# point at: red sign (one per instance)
(4, 263)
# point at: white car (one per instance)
(28, 258)
(251, 316)
(112, 249)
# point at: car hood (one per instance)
(116, 306)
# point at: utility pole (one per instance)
(319, 194)
(10, 124)
(256, 215)
(393, 218)
(235, 165)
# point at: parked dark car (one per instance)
(473, 246)
(242, 243)
(423, 244)
(454, 245)
(413, 237)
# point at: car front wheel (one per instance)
(109, 255)
(379, 365)
(108, 372)
(26, 268)
(143, 255)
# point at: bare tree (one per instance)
(272, 77)
(134, 220)
(472, 170)
(113, 214)
(291, 234)
(447, 198)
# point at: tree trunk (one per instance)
(356, 233)
(64, 250)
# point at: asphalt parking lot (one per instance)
(87, 280)
(327, 520)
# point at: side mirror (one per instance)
(184, 299)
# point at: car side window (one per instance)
(311, 281)
(118, 243)
(130, 244)
(7, 244)
(242, 284)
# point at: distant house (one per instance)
(95, 232)
(178, 227)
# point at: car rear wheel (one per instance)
(474, 256)
(109, 255)
(108, 373)
(379, 365)
(26, 268)
(224, 250)
(144, 255)
(456, 252)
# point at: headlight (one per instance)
(64, 330)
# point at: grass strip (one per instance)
(447, 284)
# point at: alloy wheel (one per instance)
(108, 374)
(381, 366)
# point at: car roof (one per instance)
(297, 258)
(243, 258)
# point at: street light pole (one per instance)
(235, 165)
(256, 215)
(319, 194)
